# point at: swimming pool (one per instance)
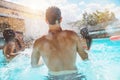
(104, 64)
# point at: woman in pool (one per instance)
(12, 45)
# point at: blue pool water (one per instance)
(104, 64)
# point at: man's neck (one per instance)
(55, 28)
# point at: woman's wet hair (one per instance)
(8, 34)
(53, 15)
(85, 34)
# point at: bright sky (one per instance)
(72, 9)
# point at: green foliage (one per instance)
(97, 17)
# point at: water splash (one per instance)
(35, 28)
(103, 64)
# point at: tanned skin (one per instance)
(10, 49)
(12, 45)
(58, 50)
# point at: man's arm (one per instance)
(80, 50)
(35, 57)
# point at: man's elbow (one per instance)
(33, 65)
(85, 57)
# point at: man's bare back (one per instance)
(58, 49)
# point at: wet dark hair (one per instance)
(8, 34)
(53, 14)
(85, 34)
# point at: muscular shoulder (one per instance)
(70, 33)
(45, 39)
(39, 41)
